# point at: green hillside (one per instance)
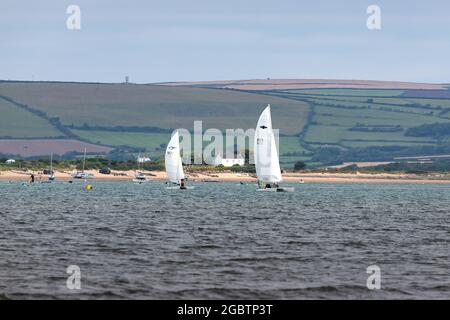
(112, 105)
(18, 123)
(362, 119)
(318, 126)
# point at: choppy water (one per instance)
(224, 240)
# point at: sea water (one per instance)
(224, 241)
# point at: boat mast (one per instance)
(138, 161)
(84, 159)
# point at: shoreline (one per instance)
(380, 178)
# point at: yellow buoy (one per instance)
(89, 187)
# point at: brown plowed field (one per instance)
(30, 148)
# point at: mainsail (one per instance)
(266, 155)
(174, 166)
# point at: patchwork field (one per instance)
(362, 118)
(312, 115)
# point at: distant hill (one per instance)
(130, 116)
(284, 84)
(321, 121)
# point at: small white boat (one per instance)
(177, 187)
(267, 163)
(81, 174)
(137, 181)
(51, 176)
(139, 176)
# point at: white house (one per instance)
(143, 159)
(229, 162)
(10, 161)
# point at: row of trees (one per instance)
(335, 155)
(434, 130)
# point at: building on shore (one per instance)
(229, 162)
(143, 159)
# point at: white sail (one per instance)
(174, 166)
(266, 155)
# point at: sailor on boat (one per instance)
(273, 185)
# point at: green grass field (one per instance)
(155, 106)
(156, 142)
(366, 143)
(147, 141)
(334, 134)
(372, 116)
(291, 145)
(18, 123)
(434, 103)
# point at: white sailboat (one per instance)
(81, 174)
(174, 165)
(49, 172)
(266, 156)
(51, 176)
(139, 176)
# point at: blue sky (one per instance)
(178, 40)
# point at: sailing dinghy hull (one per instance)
(283, 189)
(178, 188)
(137, 181)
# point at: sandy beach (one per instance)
(398, 178)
